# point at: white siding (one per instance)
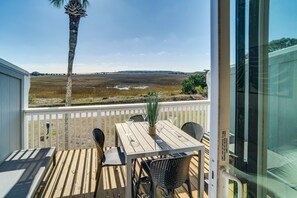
(11, 108)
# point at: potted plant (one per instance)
(152, 111)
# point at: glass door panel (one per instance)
(263, 74)
(281, 99)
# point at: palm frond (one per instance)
(85, 3)
(57, 3)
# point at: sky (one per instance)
(116, 35)
(282, 23)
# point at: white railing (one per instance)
(46, 126)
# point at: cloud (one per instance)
(161, 53)
(143, 39)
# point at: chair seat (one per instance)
(114, 156)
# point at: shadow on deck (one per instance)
(74, 176)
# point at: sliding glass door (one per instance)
(263, 88)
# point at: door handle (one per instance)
(228, 176)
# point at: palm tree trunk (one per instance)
(73, 32)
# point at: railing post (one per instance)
(25, 102)
(25, 143)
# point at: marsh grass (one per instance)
(98, 87)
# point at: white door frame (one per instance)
(220, 88)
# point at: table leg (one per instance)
(128, 189)
(201, 172)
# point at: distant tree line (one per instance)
(278, 44)
(159, 72)
(35, 73)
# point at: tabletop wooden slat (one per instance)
(170, 133)
(124, 138)
(189, 139)
(139, 130)
(144, 145)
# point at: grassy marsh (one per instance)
(49, 90)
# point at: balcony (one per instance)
(69, 130)
(74, 173)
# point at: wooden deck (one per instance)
(74, 176)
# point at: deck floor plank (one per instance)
(64, 174)
(79, 182)
(71, 174)
(52, 179)
(75, 172)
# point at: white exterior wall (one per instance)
(13, 100)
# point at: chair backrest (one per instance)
(99, 139)
(170, 173)
(137, 118)
(193, 129)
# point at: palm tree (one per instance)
(75, 10)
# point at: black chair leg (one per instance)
(153, 190)
(98, 173)
(170, 193)
(96, 188)
(55, 159)
(138, 182)
(134, 168)
(189, 187)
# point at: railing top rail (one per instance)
(29, 111)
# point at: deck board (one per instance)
(75, 176)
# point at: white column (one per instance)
(25, 104)
(208, 82)
(220, 90)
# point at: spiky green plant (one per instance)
(152, 108)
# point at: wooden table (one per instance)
(171, 140)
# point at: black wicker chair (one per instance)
(167, 173)
(112, 157)
(196, 131)
(193, 129)
(137, 118)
